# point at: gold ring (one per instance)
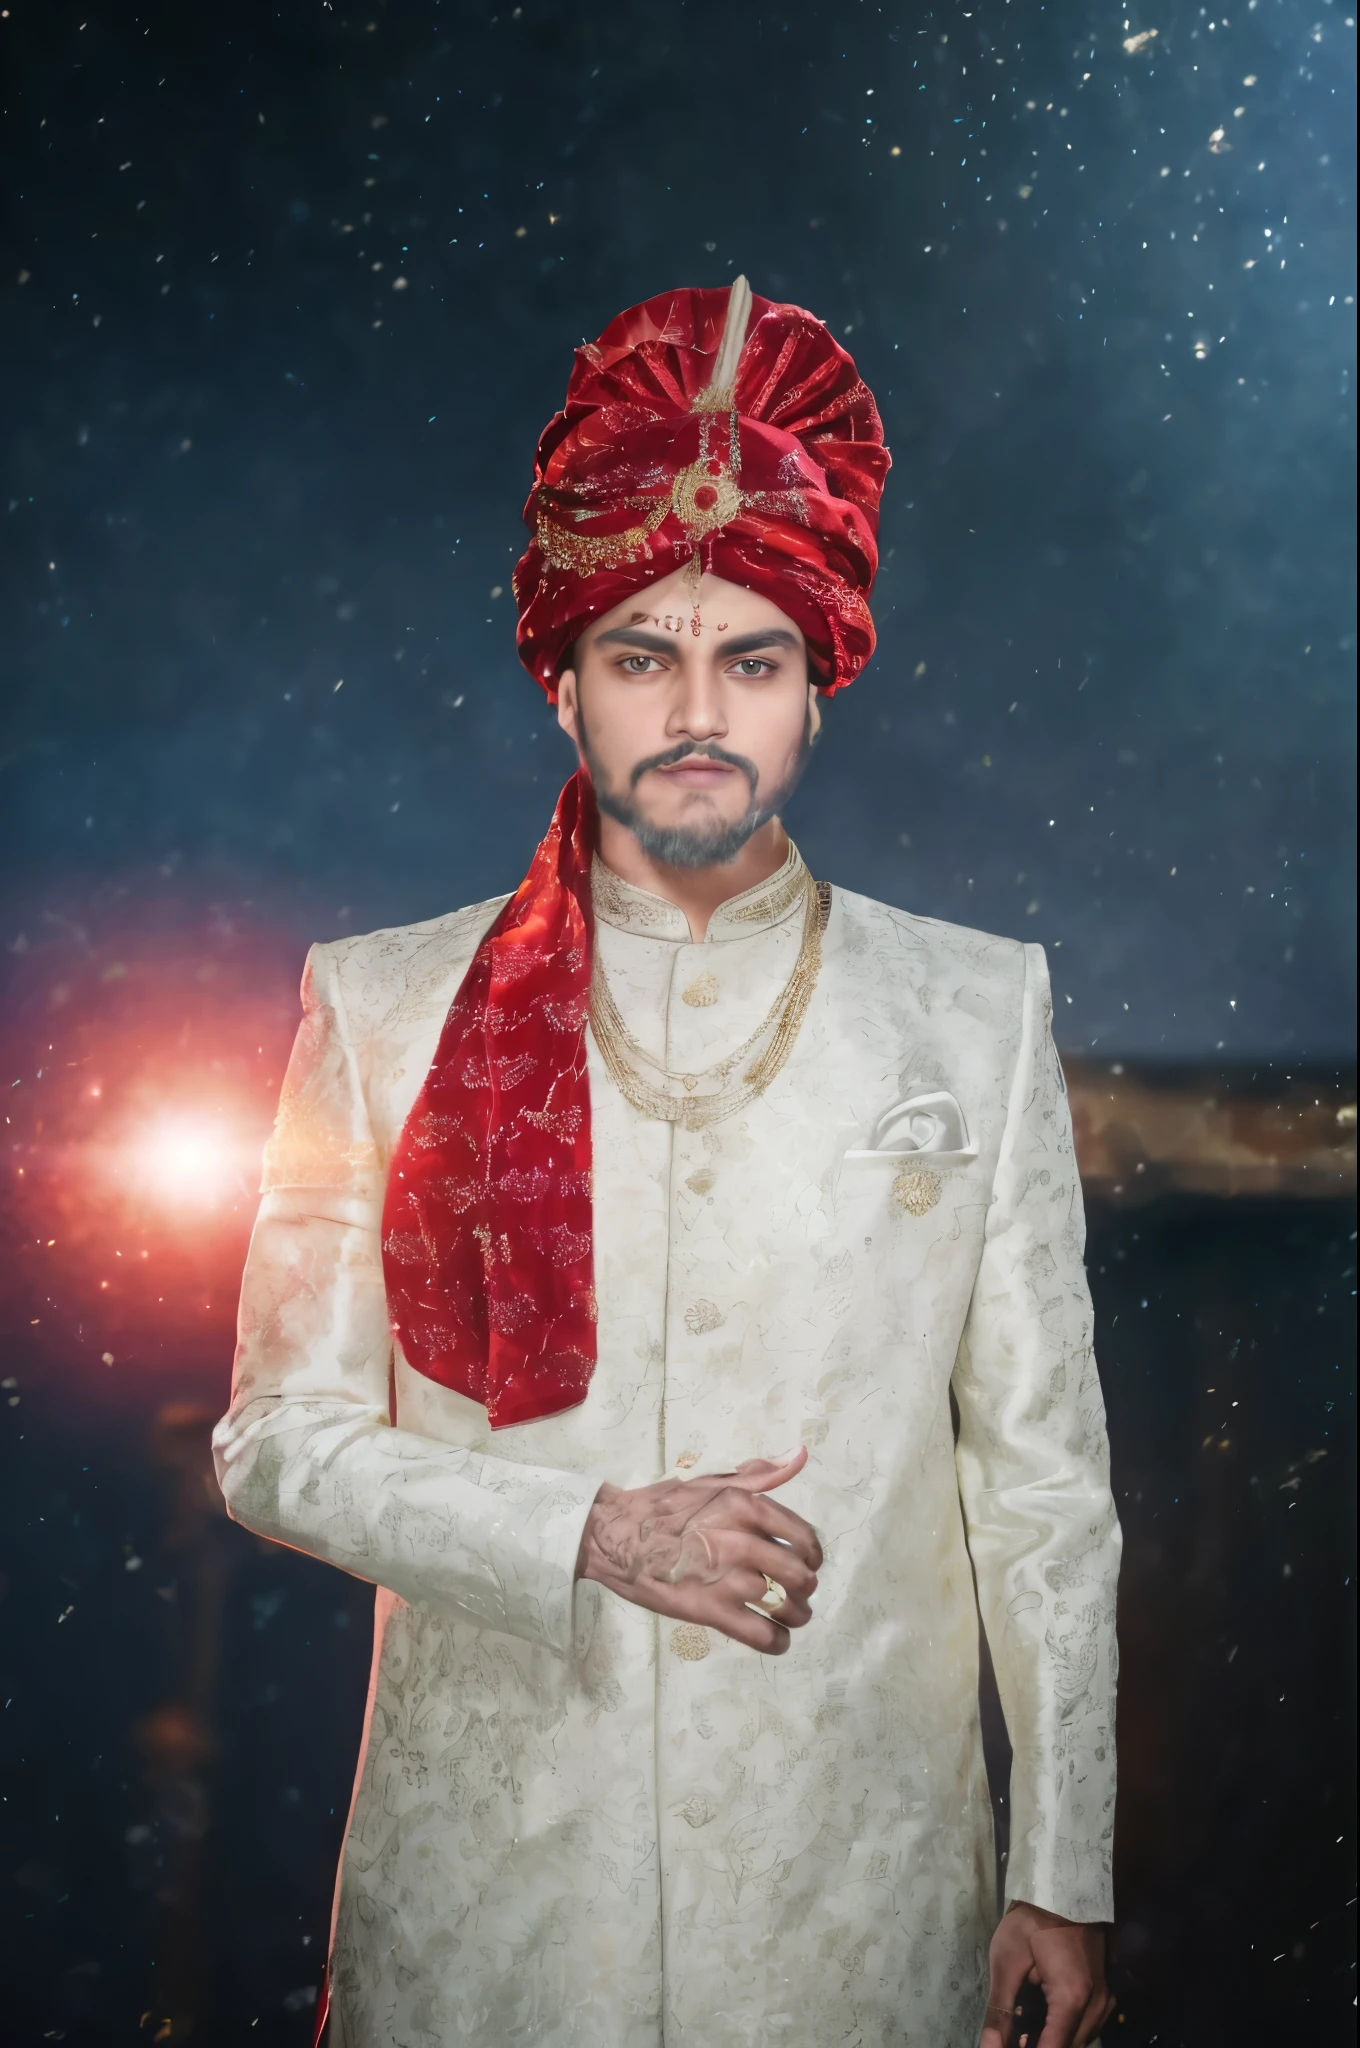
(774, 1595)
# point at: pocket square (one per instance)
(923, 1123)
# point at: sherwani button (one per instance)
(686, 1459)
(703, 1316)
(702, 992)
(689, 1642)
(916, 1189)
(701, 1181)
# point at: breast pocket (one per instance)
(926, 1121)
(920, 1156)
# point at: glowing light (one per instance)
(190, 1161)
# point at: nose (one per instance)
(697, 710)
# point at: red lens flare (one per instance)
(144, 1051)
(189, 1161)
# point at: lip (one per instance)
(697, 774)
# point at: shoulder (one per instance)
(385, 978)
(961, 1000)
(930, 947)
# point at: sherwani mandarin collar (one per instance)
(630, 909)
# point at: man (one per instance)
(580, 1206)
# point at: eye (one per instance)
(638, 664)
(752, 665)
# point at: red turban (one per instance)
(772, 478)
(767, 467)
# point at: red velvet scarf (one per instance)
(487, 1242)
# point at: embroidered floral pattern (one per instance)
(517, 1301)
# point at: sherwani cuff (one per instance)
(544, 1599)
(517, 1533)
(479, 1538)
(1062, 1874)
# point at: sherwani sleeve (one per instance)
(1033, 1467)
(307, 1453)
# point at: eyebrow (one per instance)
(664, 643)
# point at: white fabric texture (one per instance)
(567, 1832)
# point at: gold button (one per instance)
(702, 992)
(686, 1459)
(689, 1642)
(699, 1183)
(917, 1190)
(702, 1317)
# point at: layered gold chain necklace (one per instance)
(697, 1100)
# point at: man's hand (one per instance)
(1065, 1959)
(699, 1549)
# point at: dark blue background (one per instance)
(1111, 710)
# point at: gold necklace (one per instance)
(695, 1107)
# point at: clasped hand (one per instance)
(699, 1550)
(1066, 1958)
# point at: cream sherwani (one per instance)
(569, 1829)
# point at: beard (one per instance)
(709, 845)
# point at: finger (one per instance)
(1066, 2011)
(752, 1590)
(1008, 1974)
(997, 2022)
(757, 1512)
(758, 1475)
(1093, 2019)
(785, 1526)
(756, 1631)
(747, 1484)
(756, 1554)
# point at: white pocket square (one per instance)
(931, 1123)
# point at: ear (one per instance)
(814, 712)
(568, 715)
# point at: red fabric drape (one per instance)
(486, 1235)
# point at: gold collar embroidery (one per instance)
(635, 910)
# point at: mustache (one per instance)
(708, 750)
